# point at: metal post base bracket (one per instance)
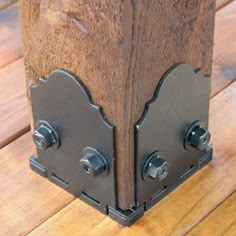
(171, 136)
(75, 142)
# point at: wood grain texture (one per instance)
(222, 3)
(10, 37)
(184, 208)
(224, 63)
(26, 198)
(14, 110)
(222, 221)
(120, 49)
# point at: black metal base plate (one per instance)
(129, 217)
(181, 98)
(64, 102)
(125, 218)
(206, 158)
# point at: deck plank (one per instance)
(14, 114)
(10, 36)
(222, 221)
(28, 199)
(14, 111)
(222, 3)
(200, 195)
(224, 63)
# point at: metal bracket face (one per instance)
(75, 142)
(181, 100)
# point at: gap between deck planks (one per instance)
(224, 215)
(222, 3)
(224, 71)
(6, 3)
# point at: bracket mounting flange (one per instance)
(65, 104)
(181, 99)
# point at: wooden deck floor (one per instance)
(29, 204)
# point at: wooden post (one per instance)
(120, 50)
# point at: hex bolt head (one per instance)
(198, 136)
(93, 164)
(155, 167)
(45, 136)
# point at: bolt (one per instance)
(45, 136)
(155, 167)
(93, 163)
(198, 137)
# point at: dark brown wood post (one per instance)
(120, 50)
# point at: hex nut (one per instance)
(93, 165)
(198, 136)
(156, 168)
(45, 136)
